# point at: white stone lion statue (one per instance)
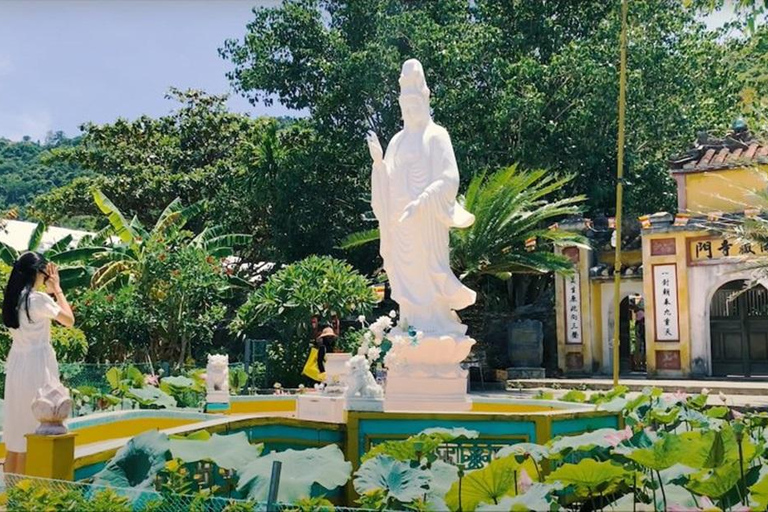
(217, 374)
(360, 381)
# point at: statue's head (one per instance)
(218, 361)
(414, 93)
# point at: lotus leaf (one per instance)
(178, 383)
(536, 499)
(442, 477)
(137, 463)
(396, 478)
(720, 411)
(301, 470)
(151, 396)
(420, 445)
(450, 434)
(616, 405)
(231, 451)
(487, 485)
(717, 482)
(598, 438)
(759, 492)
(662, 455)
(590, 476)
(574, 395)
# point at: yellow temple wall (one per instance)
(724, 190)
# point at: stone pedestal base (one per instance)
(525, 373)
(51, 456)
(365, 404)
(419, 394)
(217, 397)
(426, 375)
(317, 407)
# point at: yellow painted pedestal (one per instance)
(51, 456)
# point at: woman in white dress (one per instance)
(28, 313)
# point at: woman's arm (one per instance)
(53, 285)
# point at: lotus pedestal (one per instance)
(427, 375)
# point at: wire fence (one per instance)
(22, 493)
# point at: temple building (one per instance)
(680, 315)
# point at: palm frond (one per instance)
(360, 238)
(83, 254)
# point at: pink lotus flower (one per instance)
(524, 482)
(616, 438)
(736, 414)
(151, 380)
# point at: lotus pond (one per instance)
(667, 452)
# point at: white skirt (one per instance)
(25, 373)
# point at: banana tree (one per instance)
(511, 207)
(124, 260)
(75, 270)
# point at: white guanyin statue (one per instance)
(413, 196)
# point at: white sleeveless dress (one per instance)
(30, 363)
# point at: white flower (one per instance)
(277, 385)
(704, 391)
(392, 314)
(398, 340)
(301, 386)
(723, 397)
(368, 336)
(362, 350)
(361, 319)
(374, 353)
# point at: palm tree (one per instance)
(124, 260)
(511, 207)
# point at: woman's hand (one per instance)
(53, 283)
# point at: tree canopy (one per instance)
(528, 82)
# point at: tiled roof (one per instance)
(739, 148)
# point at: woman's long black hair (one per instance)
(22, 281)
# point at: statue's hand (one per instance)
(410, 209)
(374, 148)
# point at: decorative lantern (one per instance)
(611, 222)
(530, 244)
(380, 291)
(645, 221)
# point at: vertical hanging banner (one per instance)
(665, 302)
(572, 309)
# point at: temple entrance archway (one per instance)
(739, 330)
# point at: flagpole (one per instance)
(619, 192)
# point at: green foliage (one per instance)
(27, 171)
(30, 495)
(232, 451)
(510, 207)
(287, 301)
(546, 96)
(238, 379)
(69, 343)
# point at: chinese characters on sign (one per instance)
(665, 302)
(572, 309)
(711, 249)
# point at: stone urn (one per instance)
(336, 371)
(51, 407)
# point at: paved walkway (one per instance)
(729, 387)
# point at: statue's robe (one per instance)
(416, 250)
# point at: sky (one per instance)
(64, 62)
